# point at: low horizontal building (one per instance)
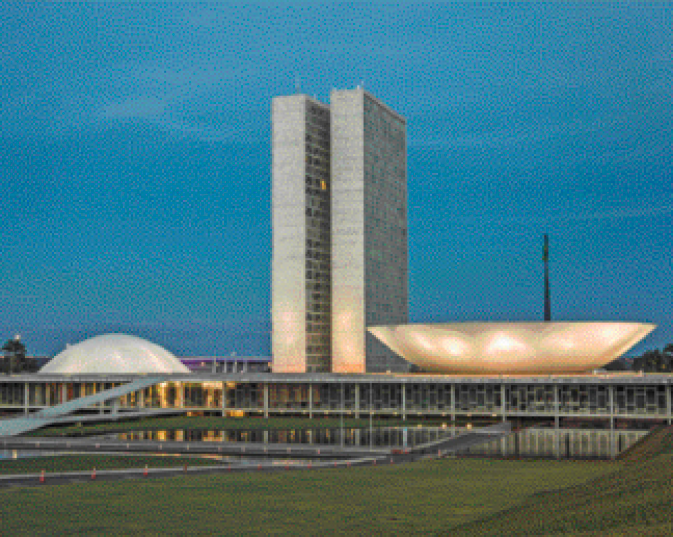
(609, 397)
(227, 364)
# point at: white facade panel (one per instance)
(301, 245)
(369, 230)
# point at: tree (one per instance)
(655, 361)
(14, 356)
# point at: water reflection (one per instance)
(13, 454)
(531, 442)
(391, 437)
(560, 443)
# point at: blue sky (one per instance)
(135, 160)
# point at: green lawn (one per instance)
(407, 499)
(637, 499)
(457, 497)
(73, 463)
(214, 422)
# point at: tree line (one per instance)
(652, 361)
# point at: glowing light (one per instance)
(454, 346)
(512, 348)
(504, 343)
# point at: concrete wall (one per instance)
(369, 230)
(301, 247)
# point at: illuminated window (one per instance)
(323, 185)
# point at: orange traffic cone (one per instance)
(93, 473)
(42, 477)
(145, 472)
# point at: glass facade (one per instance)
(389, 397)
(318, 242)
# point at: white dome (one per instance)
(114, 354)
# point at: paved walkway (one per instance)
(250, 449)
(17, 426)
(59, 478)
(464, 440)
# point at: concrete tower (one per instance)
(369, 230)
(301, 268)
(339, 232)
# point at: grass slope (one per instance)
(432, 496)
(636, 499)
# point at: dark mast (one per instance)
(547, 300)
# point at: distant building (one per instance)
(339, 259)
(227, 364)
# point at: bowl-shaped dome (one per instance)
(512, 348)
(114, 354)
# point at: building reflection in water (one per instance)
(532, 442)
(560, 443)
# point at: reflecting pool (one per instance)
(532, 442)
(386, 437)
(560, 443)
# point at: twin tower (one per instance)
(339, 213)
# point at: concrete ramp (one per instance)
(17, 426)
(465, 440)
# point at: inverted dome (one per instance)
(512, 348)
(114, 354)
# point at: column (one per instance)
(503, 396)
(453, 403)
(310, 400)
(557, 423)
(357, 400)
(94, 391)
(266, 399)
(403, 387)
(223, 402)
(25, 398)
(669, 387)
(371, 415)
(611, 394)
